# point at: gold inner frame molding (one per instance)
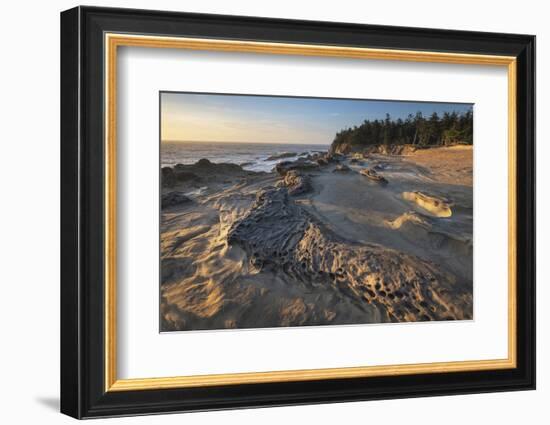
(113, 41)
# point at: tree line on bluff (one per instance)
(449, 129)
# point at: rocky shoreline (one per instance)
(339, 237)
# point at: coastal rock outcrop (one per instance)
(437, 205)
(280, 236)
(371, 174)
(167, 177)
(202, 170)
(205, 165)
(172, 199)
(172, 176)
(346, 149)
(247, 251)
(296, 183)
(281, 156)
(300, 164)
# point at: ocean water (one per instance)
(251, 156)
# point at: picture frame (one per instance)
(90, 40)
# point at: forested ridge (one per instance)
(449, 129)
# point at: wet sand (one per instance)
(318, 243)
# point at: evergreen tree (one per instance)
(450, 128)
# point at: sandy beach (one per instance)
(326, 239)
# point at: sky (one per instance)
(269, 119)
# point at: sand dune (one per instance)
(307, 246)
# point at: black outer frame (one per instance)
(82, 203)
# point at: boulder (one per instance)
(373, 175)
(437, 205)
(203, 162)
(300, 164)
(296, 183)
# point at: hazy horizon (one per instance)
(242, 142)
(227, 118)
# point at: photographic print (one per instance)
(275, 214)
(293, 211)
